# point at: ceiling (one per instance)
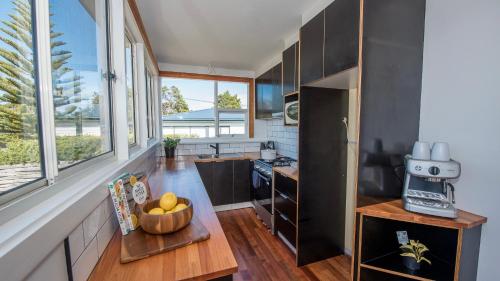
(233, 34)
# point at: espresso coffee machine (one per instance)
(427, 189)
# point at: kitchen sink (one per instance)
(207, 156)
(220, 156)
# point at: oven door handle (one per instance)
(262, 177)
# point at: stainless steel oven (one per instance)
(262, 176)
(262, 195)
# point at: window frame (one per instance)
(42, 64)
(135, 95)
(249, 111)
(150, 104)
(218, 111)
(83, 164)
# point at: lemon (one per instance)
(169, 212)
(168, 201)
(133, 180)
(156, 211)
(180, 207)
(135, 221)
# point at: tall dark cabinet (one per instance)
(322, 170)
(381, 61)
(390, 94)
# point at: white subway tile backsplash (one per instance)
(76, 243)
(104, 234)
(201, 146)
(238, 147)
(285, 138)
(95, 221)
(86, 262)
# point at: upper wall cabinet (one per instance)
(341, 36)
(268, 93)
(291, 69)
(329, 45)
(311, 49)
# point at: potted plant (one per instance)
(413, 254)
(170, 144)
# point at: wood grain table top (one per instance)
(208, 259)
(394, 210)
(290, 172)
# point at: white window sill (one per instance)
(222, 140)
(37, 222)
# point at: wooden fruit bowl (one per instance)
(166, 223)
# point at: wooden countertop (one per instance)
(394, 210)
(209, 259)
(288, 171)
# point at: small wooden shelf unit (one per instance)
(377, 255)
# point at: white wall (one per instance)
(461, 105)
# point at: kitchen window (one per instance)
(81, 97)
(150, 105)
(20, 138)
(198, 108)
(71, 122)
(131, 96)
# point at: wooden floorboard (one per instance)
(262, 256)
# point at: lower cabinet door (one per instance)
(223, 183)
(206, 171)
(242, 188)
(285, 206)
(285, 227)
(286, 186)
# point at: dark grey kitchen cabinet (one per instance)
(223, 183)
(206, 171)
(226, 182)
(268, 95)
(263, 96)
(341, 36)
(277, 88)
(311, 49)
(290, 69)
(241, 181)
(322, 168)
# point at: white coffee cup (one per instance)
(421, 150)
(440, 151)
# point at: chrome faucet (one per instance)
(216, 147)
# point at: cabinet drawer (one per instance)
(284, 226)
(285, 206)
(286, 186)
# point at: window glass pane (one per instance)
(232, 95)
(129, 71)
(80, 92)
(152, 106)
(19, 131)
(149, 104)
(232, 123)
(188, 108)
